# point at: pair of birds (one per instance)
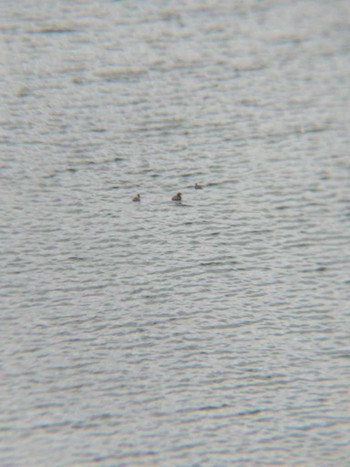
(177, 197)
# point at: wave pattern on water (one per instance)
(213, 331)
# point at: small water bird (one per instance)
(199, 186)
(177, 197)
(137, 198)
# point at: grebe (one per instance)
(177, 197)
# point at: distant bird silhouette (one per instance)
(137, 198)
(199, 186)
(177, 197)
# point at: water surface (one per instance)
(209, 332)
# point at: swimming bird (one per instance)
(199, 186)
(137, 198)
(177, 197)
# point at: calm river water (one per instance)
(211, 332)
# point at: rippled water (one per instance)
(209, 332)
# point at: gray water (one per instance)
(209, 332)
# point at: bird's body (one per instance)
(177, 197)
(137, 198)
(199, 186)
